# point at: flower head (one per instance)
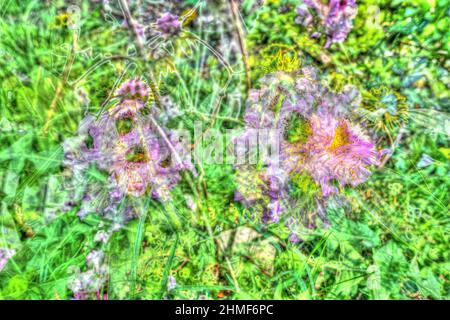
(168, 23)
(336, 18)
(134, 89)
(5, 255)
(89, 284)
(335, 150)
(135, 154)
(321, 149)
(171, 283)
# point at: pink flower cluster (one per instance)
(321, 147)
(336, 150)
(336, 18)
(138, 154)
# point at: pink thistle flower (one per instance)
(126, 144)
(335, 150)
(136, 163)
(127, 109)
(134, 89)
(168, 23)
(321, 149)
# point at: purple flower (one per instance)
(139, 29)
(102, 237)
(171, 283)
(129, 146)
(5, 255)
(293, 237)
(89, 284)
(95, 259)
(320, 149)
(190, 203)
(425, 161)
(168, 23)
(336, 18)
(304, 17)
(135, 89)
(273, 211)
(336, 150)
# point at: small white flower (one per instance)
(172, 283)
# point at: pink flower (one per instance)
(5, 255)
(131, 146)
(335, 18)
(135, 89)
(168, 23)
(336, 150)
(321, 148)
